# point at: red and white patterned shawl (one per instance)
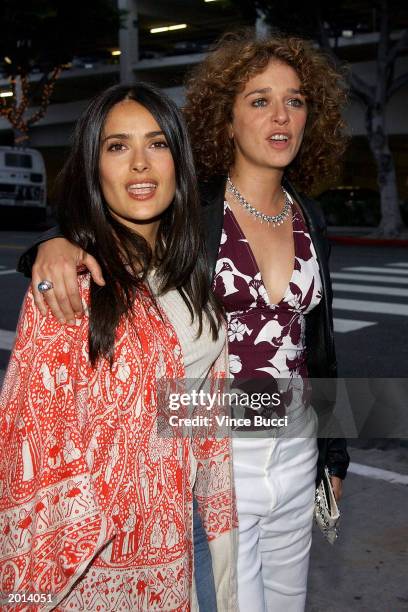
(95, 507)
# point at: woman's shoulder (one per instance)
(311, 208)
(314, 209)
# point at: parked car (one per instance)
(23, 183)
(356, 206)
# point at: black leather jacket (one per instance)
(321, 361)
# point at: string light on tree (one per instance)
(14, 108)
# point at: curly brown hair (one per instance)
(214, 84)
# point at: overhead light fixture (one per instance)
(116, 52)
(179, 26)
(7, 60)
(210, 0)
(6, 94)
(347, 33)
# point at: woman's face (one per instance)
(269, 118)
(136, 168)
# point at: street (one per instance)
(370, 286)
(12, 288)
(365, 570)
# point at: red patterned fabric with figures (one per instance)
(95, 506)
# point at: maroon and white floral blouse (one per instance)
(264, 338)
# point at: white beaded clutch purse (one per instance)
(326, 511)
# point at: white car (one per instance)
(23, 184)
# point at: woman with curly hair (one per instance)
(265, 120)
(264, 116)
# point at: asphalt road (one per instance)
(12, 287)
(370, 286)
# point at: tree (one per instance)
(40, 37)
(374, 97)
(325, 23)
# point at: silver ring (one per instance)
(45, 286)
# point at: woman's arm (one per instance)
(337, 462)
(27, 259)
(56, 259)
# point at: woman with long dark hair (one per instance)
(97, 501)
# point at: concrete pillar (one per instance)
(128, 41)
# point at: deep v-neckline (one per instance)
(257, 270)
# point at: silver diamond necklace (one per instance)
(274, 220)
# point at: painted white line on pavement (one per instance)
(378, 473)
(3, 272)
(399, 265)
(372, 269)
(343, 326)
(400, 291)
(365, 306)
(368, 278)
(6, 339)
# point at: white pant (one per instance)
(275, 485)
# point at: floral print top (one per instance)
(265, 339)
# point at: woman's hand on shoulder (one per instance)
(58, 261)
(337, 485)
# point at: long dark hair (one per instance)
(85, 219)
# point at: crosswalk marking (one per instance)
(373, 269)
(11, 271)
(376, 307)
(378, 473)
(6, 339)
(399, 291)
(368, 278)
(343, 326)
